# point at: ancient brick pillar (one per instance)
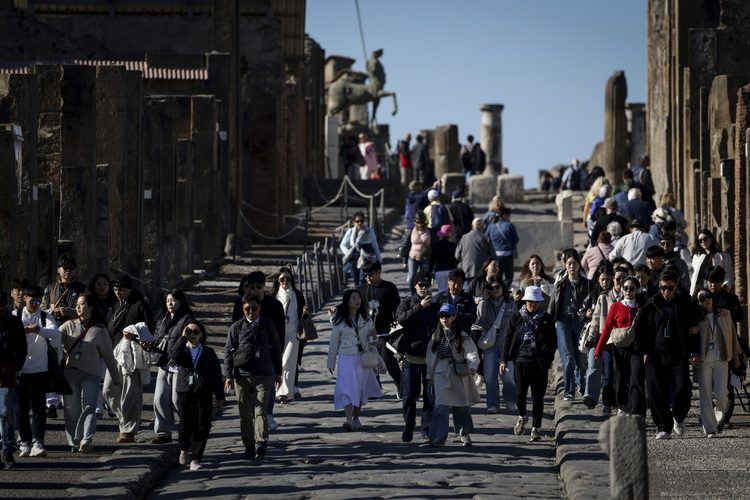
(636, 116)
(21, 92)
(616, 154)
(203, 134)
(491, 138)
(8, 222)
(742, 201)
(184, 196)
(446, 150)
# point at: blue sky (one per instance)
(547, 61)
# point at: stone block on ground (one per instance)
(481, 190)
(510, 188)
(542, 238)
(624, 440)
(450, 183)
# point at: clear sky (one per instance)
(547, 61)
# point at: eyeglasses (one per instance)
(664, 288)
(35, 302)
(444, 315)
(424, 285)
(703, 240)
(193, 331)
(703, 298)
(629, 288)
(619, 279)
(256, 287)
(665, 244)
(285, 280)
(493, 287)
(250, 308)
(358, 221)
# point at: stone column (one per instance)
(446, 150)
(184, 202)
(492, 137)
(8, 220)
(636, 116)
(203, 134)
(615, 127)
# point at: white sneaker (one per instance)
(85, 447)
(621, 413)
(719, 416)
(195, 465)
(38, 450)
(478, 380)
(272, 424)
(535, 434)
(662, 435)
(679, 428)
(357, 425)
(25, 449)
(520, 425)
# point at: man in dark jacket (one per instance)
(462, 214)
(12, 357)
(474, 249)
(420, 159)
(466, 308)
(382, 299)
(61, 296)
(665, 337)
(602, 222)
(274, 311)
(252, 361)
(418, 316)
(131, 308)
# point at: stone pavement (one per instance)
(311, 456)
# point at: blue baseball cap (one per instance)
(448, 308)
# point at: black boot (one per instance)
(10, 462)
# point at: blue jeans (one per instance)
(80, 407)
(462, 422)
(7, 416)
(414, 382)
(413, 268)
(593, 375)
(574, 362)
(491, 363)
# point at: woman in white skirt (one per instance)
(295, 311)
(351, 332)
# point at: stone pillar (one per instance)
(184, 197)
(21, 109)
(101, 222)
(446, 150)
(636, 116)
(119, 103)
(77, 105)
(624, 440)
(615, 127)
(203, 133)
(742, 202)
(8, 220)
(492, 137)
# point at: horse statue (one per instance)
(343, 93)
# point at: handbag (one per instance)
(461, 368)
(370, 357)
(623, 337)
(489, 337)
(157, 356)
(307, 330)
(584, 337)
(57, 381)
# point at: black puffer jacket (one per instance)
(133, 310)
(171, 327)
(418, 323)
(13, 347)
(583, 288)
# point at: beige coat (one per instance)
(450, 389)
(731, 347)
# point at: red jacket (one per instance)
(619, 316)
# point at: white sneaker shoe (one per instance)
(535, 434)
(357, 425)
(25, 449)
(478, 380)
(520, 425)
(195, 465)
(662, 435)
(679, 428)
(37, 450)
(272, 424)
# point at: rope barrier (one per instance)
(266, 236)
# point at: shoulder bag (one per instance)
(66, 354)
(488, 338)
(307, 330)
(623, 337)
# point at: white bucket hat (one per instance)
(533, 294)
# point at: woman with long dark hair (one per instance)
(707, 253)
(351, 332)
(87, 344)
(452, 361)
(100, 287)
(565, 304)
(490, 269)
(174, 316)
(295, 310)
(533, 274)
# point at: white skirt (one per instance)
(354, 384)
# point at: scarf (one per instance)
(529, 328)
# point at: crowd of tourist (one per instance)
(629, 317)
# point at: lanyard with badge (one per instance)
(712, 329)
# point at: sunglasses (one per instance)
(629, 288)
(444, 315)
(493, 287)
(35, 302)
(369, 275)
(285, 280)
(66, 268)
(703, 298)
(256, 287)
(250, 308)
(424, 285)
(619, 279)
(703, 240)
(666, 288)
(193, 331)
(358, 221)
